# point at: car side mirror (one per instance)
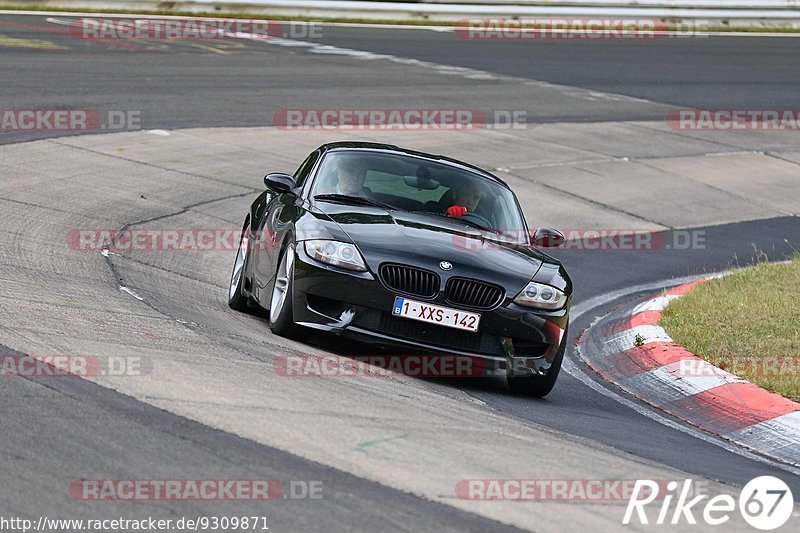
(548, 238)
(279, 182)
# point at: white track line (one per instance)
(443, 28)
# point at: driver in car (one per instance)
(465, 200)
(351, 173)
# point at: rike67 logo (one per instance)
(765, 503)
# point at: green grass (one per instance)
(747, 323)
(305, 18)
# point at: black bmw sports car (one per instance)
(408, 250)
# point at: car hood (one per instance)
(425, 241)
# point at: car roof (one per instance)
(391, 148)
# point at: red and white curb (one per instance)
(658, 371)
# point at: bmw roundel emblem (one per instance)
(445, 265)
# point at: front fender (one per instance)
(317, 225)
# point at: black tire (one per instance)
(236, 299)
(281, 313)
(540, 386)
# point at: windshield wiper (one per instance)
(347, 198)
(458, 219)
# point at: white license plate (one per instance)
(434, 314)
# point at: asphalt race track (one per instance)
(387, 451)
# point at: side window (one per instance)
(305, 168)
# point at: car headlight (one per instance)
(339, 254)
(541, 296)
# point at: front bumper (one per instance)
(511, 338)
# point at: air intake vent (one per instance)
(473, 293)
(410, 280)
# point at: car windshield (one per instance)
(419, 185)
